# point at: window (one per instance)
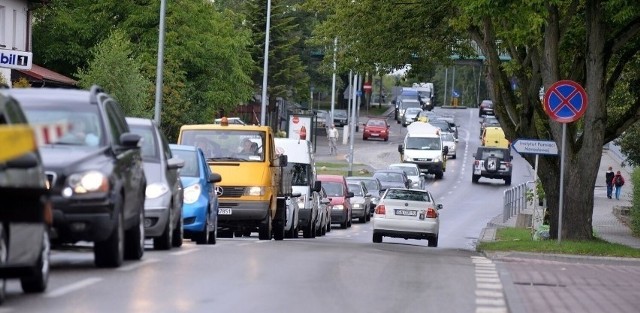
(356, 189)
(227, 145)
(333, 189)
(149, 148)
(191, 164)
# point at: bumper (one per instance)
(359, 212)
(339, 216)
(415, 229)
(428, 167)
(158, 211)
(243, 213)
(497, 174)
(82, 218)
(194, 215)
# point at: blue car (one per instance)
(200, 206)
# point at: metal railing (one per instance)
(515, 200)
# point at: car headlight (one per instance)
(91, 181)
(254, 191)
(357, 205)
(156, 190)
(375, 200)
(301, 201)
(192, 193)
(437, 159)
(338, 207)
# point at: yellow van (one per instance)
(251, 195)
(494, 137)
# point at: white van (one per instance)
(423, 146)
(301, 163)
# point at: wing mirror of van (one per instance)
(215, 178)
(130, 141)
(281, 160)
(439, 206)
(445, 150)
(317, 186)
(296, 195)
(350, 194)
(400, 148)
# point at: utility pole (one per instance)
(265, 67)
(160, 66)
(352, 122)
(333, 81)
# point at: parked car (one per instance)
(326, 207)
(412, 171)
(200, 200)
(373, 186)
(376, 128)
(95, 171)
(26, 210)
(485, 108)
(163, 203)
(492, 162)
(360, 202)
(336, 188)
(392, 178)
(322, 116)
(408, 214)
(340, 118)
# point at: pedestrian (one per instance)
(609, 179)
(332, 134)
(618, 182)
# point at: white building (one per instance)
(15, 28)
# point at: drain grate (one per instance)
(521, 283)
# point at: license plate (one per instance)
(477, 171)
(406, 212)
(224, 211)
(375, 135)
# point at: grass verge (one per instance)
(518, 239)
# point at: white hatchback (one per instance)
(408, 214)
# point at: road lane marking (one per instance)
(489, 294)
(72, 287)
(185, 251)
(136, 265)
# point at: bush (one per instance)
(635, 203)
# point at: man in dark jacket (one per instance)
(609, 177)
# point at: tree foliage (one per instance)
(593, 42)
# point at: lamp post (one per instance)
(265, 67)
(160, 65)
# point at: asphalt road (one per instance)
(341, 272)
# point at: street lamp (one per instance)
(263, 107)
(160, 65)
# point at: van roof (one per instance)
(229, 127)
(332, 178)
(297, 151)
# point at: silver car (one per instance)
(413, 173)
(164, 193)
(361, 201)
(450, 141)
(410, 115)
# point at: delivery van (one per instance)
(254, 183)
(301, 163)
(494, 137)
(423, 146)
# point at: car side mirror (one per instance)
(400, 148)
(423, 175)
(175, 163)
(455, 140)
(282, 160)
(350, 194)
(473, 155)
(367, 195)
(511, 158)
(215, 178)
(445, 150)
(295, 195)
(24, 161)
(317, 186)
(439, 206)
(325, 201)
(130, 141)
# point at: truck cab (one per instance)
(254, 185)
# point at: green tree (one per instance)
(593, 42)
(114, 68)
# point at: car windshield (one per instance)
(149, 145)
(227, 145)
(79, 125)
(378, 123)
(356, 189)
(333, 189)
(410, 171)
(190, 168)
(447, 137)
(340, 113)
(371, 184)
(485, 153)
(413, 111)
(441, 124)
(410, 104)
(389, 177)
(300, 173)
(407, 195)
(423, 143)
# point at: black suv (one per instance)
(94, 167)
(492, 162)
(26, 210)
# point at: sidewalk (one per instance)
(605, 224)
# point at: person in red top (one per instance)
(618, 182)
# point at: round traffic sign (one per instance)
(565, 101)
(366, 86)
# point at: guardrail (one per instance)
(515, 200)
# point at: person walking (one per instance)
(609, 179)
(618, 182)
(333, 135)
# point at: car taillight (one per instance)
(380, 209)
(507, 164)
(476, 162)
(431, 213)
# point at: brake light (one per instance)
(431, 213)
(476, 162)
(380, 209)
(507, 164)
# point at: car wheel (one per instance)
(264, 232)
(377, 238)
(386, 138)
(475, 178)
(344, 225)
(455, 156)
(39, 280)
(4, 254)
(363, 219)
(507, 181)
(329, 225)
(439, 175)
(308, 230)
(164, 241)
(349, 222)
(433, 241)
(364, 138)
(213, 235)
(296, 231)
(202, 237)
(178, 234)
(110, 252)
(134, 239)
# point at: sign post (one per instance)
(565, 102)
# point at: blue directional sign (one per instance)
(532, 146)
(565, 101)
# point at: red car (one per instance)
(376, 128)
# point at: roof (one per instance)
(220, 127)
(44, 75)
(182, 147)
(139, 121)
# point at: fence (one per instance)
(515, 200)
